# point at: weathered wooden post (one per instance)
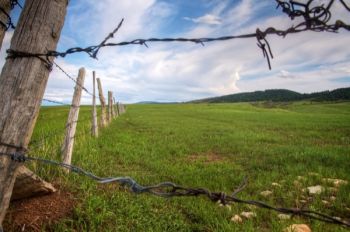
(118, 108)
(67, 147)
(94, 129)
(103, 103)
(115, 110)
(5, 5)
(110, 116)
(22, 84)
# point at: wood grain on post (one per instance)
(73, 116)
(23, 82)
(103, 103)
(94, 129)
(6, 6)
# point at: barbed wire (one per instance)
(56, 102)
(72, 78)
(169, 189)
(313, 21)
(34, 144)
(9, 24)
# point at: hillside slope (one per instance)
(280, 95)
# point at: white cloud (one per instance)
(304, 62)
(206, 19)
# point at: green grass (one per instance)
(156, 143)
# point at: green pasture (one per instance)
(202, 145)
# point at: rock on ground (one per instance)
(318, 189)
(248, 215)
(237, 219)
(266, 193)
(298, 228)
(284, 216)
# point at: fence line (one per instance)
(314, 23)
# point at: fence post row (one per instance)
(94, 128)
(103, 103)
(6, 6)
(67, 148)
(22, 84)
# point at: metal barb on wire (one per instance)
(315, 19)
(8, 24)
(169, 189)
(110, 35)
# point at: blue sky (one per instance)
(306, 62)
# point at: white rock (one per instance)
(237, 219)
(248, 215)
(332, 198)
(283, 216)
(325, 202)
(318, 189)
(335, 182)
(298, 228)
(276, 184)
(266, 193)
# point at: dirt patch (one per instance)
(208, 157)
(33, 213)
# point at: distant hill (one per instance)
(280, 95)
(154, 102)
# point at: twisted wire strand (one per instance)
(169, 189)
(73, 79)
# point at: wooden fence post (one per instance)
(22, 84)
(67, 148)
(6, 6)
(103, 103)
(118, 108)
(115, 109)
(110, 106)
(94, 129)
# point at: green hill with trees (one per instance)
(280, 95)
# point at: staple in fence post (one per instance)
(110, 113)
(94, 129)
(103, 122)
(67, 148)
(6, 6)
(22, 85)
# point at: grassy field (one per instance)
(203, 145)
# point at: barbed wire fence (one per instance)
(315, 19)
